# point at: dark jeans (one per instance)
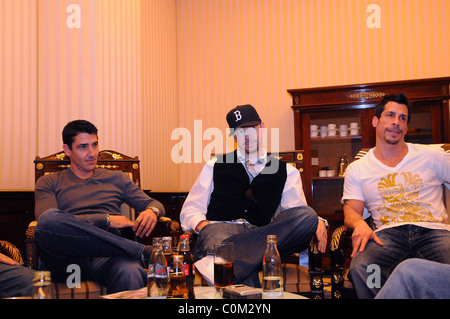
(293, 227)
(400, 243)
(15, 281)
(103, 256)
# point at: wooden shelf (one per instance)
(317, 178)
(430, 123)
(335, 139)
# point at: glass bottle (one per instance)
(167, 251)
(42, 285)
(157, 278)
(342, 166)
(177, 279)
(188, 262)
(272, 272)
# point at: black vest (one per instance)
(234, 197)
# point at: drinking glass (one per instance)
(223, 265)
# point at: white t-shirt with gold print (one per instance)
(409, 193)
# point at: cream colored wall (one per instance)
(110, 62)
(141, 68)
(252, 51)
(18, 92)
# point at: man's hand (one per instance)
(200, 225)
(6, 260)
(321, 235)
(362, 233)
(145, 223)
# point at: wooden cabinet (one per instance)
(342, 105)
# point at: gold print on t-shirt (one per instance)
(401, 201)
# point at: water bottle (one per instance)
(42, 285)
(188, 262)
(272, 272)
(177, 279)
(157, 278)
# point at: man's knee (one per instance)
(304, 216)
(127, 277)
(49, 219)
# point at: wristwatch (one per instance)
(155, 210)
(324, 221)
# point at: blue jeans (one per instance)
(103, 256)
(15, 281)
(417, 279)
(293, 227)
(400, 243)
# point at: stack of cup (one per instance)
(323, 131)
(331, 129)
(343, 130)
(353, 128)
(314, 131)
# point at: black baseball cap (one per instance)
(243, 116)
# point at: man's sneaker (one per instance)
(205, 267)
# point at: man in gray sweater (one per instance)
(79, 217)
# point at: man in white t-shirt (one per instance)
(400, 185)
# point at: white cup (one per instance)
(353, 131)
(353, 125)
(314, 133)
(331, 132)
(323, 133)
(331, 126)
(314, 127)
(322, 173)
(330, 173)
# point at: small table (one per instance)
(201, 292)
(204, 292)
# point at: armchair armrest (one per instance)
(172, 226)
(315, 269)
(337, 260)
(30, 246)
(10, 251)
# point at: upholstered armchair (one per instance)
(107, 159)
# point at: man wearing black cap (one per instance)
(242, 197)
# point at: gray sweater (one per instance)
(90, 199)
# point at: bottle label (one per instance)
(187, 267)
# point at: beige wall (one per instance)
(110, 62)
(252, 51)
(141, 68)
